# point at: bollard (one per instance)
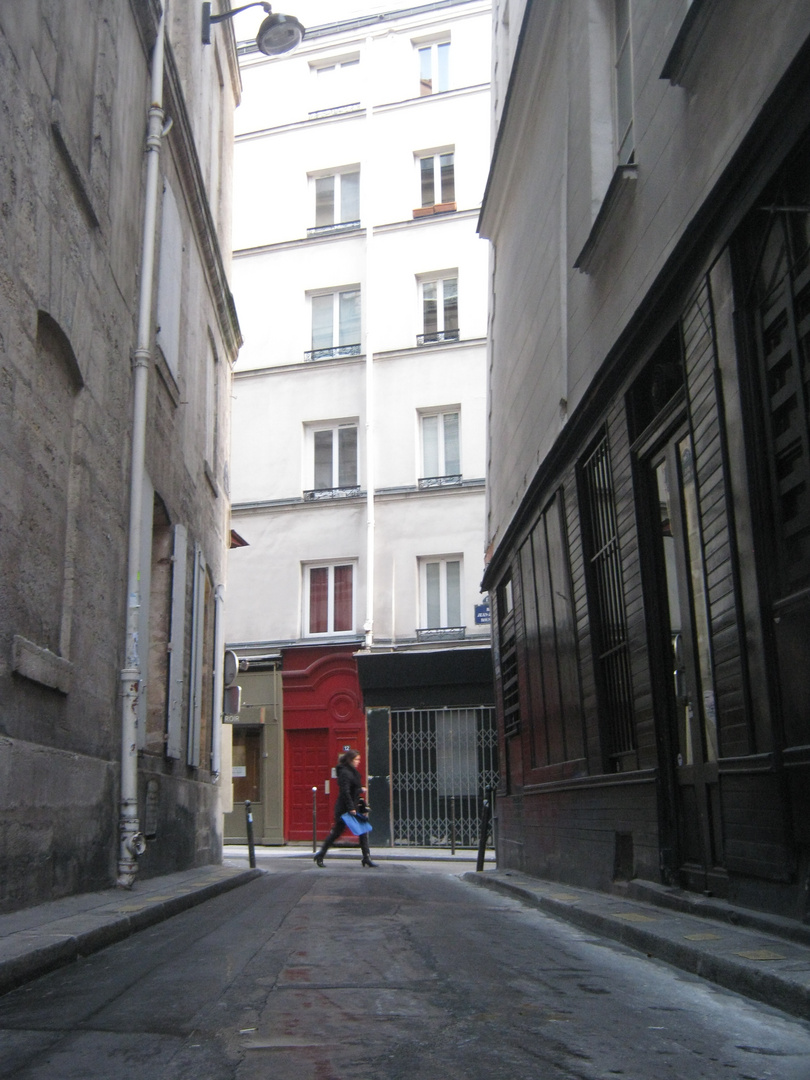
(251, 847)
(486, 814)
(452, 824)
(314, 819)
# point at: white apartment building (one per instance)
(359, 419)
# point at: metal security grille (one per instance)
(607, 597)
(443, 760)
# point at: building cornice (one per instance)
(359, 359)
(359, 111)
(355, 234)
(394, 494)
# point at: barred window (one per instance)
(606, 600)
(510, 692)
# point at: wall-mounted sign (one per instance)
(482, 615)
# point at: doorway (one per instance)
(684, 686)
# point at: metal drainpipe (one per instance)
(368, 347)
(131, 840)
(219, 680)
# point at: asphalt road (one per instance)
(399, 972)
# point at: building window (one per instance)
(212, 411)
(329, 599)
(606, 601)
(437, 184)
(440, 588)
(327, 70)
(434, 68)
(623, 82)
(335, 85)
(441, 455)
(439, 310)
(507, 665)
(771, 257)
(170, 281)
(335, 324)
(333, 451)
(337, 201)
(554, 706)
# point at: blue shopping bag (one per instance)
(357, 823)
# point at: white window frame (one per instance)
(337, 176)
(431, 48)
(311, 429)
(336, 342)
(333, 64)
(438, 279)
(441, 435)
(334, 83)
(436, 156)
(442, 561)
(329, 565)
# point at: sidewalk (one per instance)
(38, 939)
(764, 957)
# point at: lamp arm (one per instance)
(235, 11)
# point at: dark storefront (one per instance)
(432, 744)
(652, 601)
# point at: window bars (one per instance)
(443, 761)
(606, 594)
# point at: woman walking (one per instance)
(349, 801)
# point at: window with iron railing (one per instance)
(440, 595)
(441, 456)
(335, 324)
(337, 202)
(439, 310)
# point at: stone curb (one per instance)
(772, 988)
(97, 928)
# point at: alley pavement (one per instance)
(763, 957)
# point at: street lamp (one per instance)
(278, 33)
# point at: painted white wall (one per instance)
(270, 411)
(265, 582)
(272, 289)
(409, 529)
(283, 90)
(276, 268)
(408, 384)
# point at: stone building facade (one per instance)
(75, 93)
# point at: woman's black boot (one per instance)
(367, 861)
(319, 859)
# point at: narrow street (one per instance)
(400, 972)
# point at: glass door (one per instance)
(686, 700)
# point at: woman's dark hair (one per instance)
(348, 756)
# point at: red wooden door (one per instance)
(309, 758)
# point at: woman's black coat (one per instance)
(350, 785)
